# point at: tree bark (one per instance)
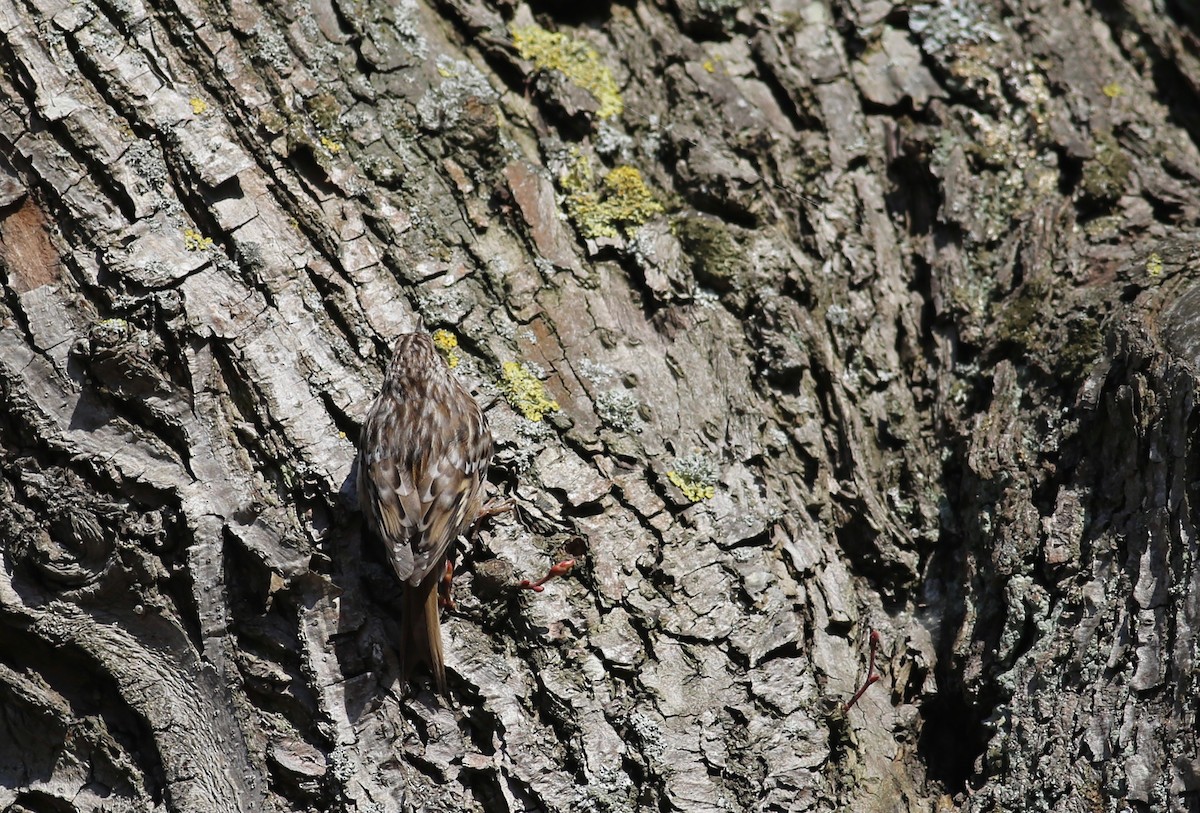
(792, 321)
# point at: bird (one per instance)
(423, 458)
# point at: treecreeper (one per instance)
(423, 458)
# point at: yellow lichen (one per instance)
(334, 147)
(1154, 265)
(692, 489)
(525, 392)
(199, 106)
(695, 475)
(195, 241)
(447, 342)
(1112, 90)
(576, 60)
(621, 199)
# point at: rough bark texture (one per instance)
(856, 315)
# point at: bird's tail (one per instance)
(423, 631)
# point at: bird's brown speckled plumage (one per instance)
(423, 457)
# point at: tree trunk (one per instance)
(791, 321)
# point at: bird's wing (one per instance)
(426, 491)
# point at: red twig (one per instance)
(872, 675)
(560, 569)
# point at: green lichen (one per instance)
(576, 60)
(695, 475)
(1084, 344)
(272, 121)
(1105, 228)
(110, 331)
(620, 201)
(1106, 173)
(717, 261)
(525, 392)
(325, 112)
(1021, 318)
(1067, 348)
(1154, 265)
(325, 115)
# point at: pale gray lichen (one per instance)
(619, 409)
(536, 370)
(609, 790)
(273, 49)
(777, 439)
(518, 441)
(719, 6)
(697, 466)
(945, 25)
(408, 29)
(149, 169)
(505, 329)
(531, 438)
(706, 298)
(650, 733)
(613, 142)
(596, 372)
(441, 107)
(902, 506)
(534, 431)
(443, 305)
